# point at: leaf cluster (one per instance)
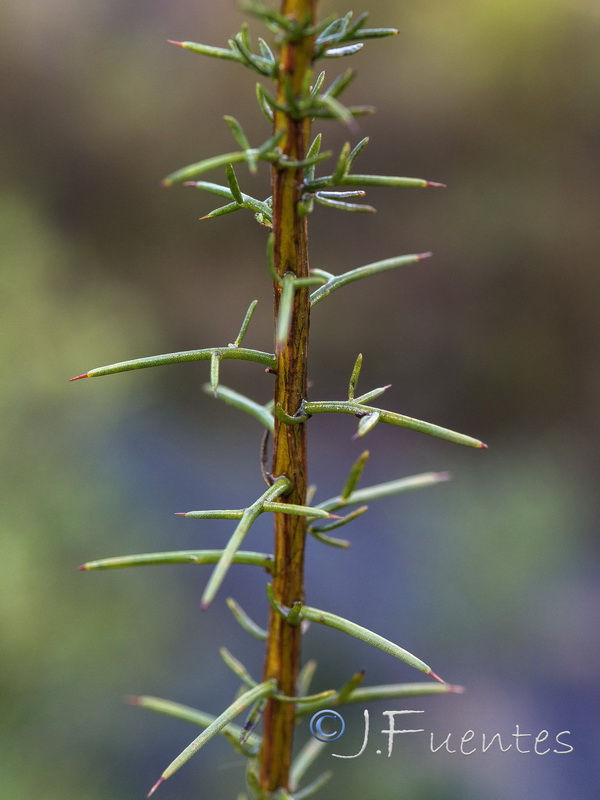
(333, 38)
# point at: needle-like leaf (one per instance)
(245, 323)
(221, 211)
(392, 418)
(313, 787)
(234, 186)
(243, 702)
(238, 132)
(281, 486)
(245, 621)
(371, 180)
(367, 423)
(333, 108)
(341, 83)
(379, 490)
(357, 150)
(280, 22)
(215, 361)
(265, 152)
(368, 694)
(244, 403)
(305, 676)
(346, 50)
(265, 106)
(240, 353)
(319, 532)
(275, 507)
(237, 667)
(373, 394)
(373, 33)
(178, 557)
(231, 731)
(332, 541)
(245, 200)
(363, 272)
(356, 208)
(193, 170)
(341, 166)
(286, 305)
(300, 612)
(304, 760)
(208, 50)
(355, 370)
(355, 475)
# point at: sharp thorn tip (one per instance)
(132, 700)
(155, 787)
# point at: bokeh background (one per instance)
(492, 578)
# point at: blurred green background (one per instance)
(491, 578)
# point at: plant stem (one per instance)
(289, 441)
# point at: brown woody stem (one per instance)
(289, 441)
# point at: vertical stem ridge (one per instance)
(289, 441)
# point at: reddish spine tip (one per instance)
(443, 476)
(335, 516)
(177, 44)
(436, 677)
(204, 605)
(132, 700)
(79, 377)
(165, 184)
(456, 689)
(189, 183)
(155, 787)
(82, 566)
(421, 256)
(483, 446)
(435, 185)
(181, 513)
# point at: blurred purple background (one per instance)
(491, 578)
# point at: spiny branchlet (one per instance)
(293, 93)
